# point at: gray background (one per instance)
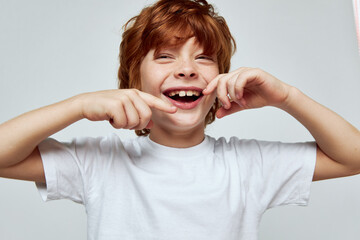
(51, 50)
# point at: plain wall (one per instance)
(52, 50)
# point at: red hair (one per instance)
(173, 22)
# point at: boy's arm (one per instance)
(338, 141)
(19, 137)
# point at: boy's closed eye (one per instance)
(163, 57)
(205, 57)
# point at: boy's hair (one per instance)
(170, 23)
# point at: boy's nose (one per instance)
(186, 74)
(186, 71)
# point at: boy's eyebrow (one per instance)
(166, 48)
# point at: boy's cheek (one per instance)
(147, 89)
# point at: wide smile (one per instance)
(184, 97)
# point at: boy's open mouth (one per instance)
(184, 95)
(185, 98)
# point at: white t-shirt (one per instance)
(138, 189)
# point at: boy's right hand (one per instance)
(123, 108)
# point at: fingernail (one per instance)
(237, 96)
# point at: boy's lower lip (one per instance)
(185, 105)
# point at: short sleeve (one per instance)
(69, 166)
(277, 173)
(287, 172)
(63, 172)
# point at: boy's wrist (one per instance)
(291, 100)
(74, 105)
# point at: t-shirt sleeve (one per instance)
(280, 173)
(68, 167)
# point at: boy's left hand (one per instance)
(247, 88)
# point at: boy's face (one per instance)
(178, 75)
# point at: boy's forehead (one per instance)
(179, 43)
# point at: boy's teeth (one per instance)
(184, 93)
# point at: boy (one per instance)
(177, 183)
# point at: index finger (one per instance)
(212, 85)
(155, 102)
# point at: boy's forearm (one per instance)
(20, 136)
(335, 136)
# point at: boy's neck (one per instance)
(177, 139)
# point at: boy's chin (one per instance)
(186, 121)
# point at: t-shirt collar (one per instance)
(161, 151)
